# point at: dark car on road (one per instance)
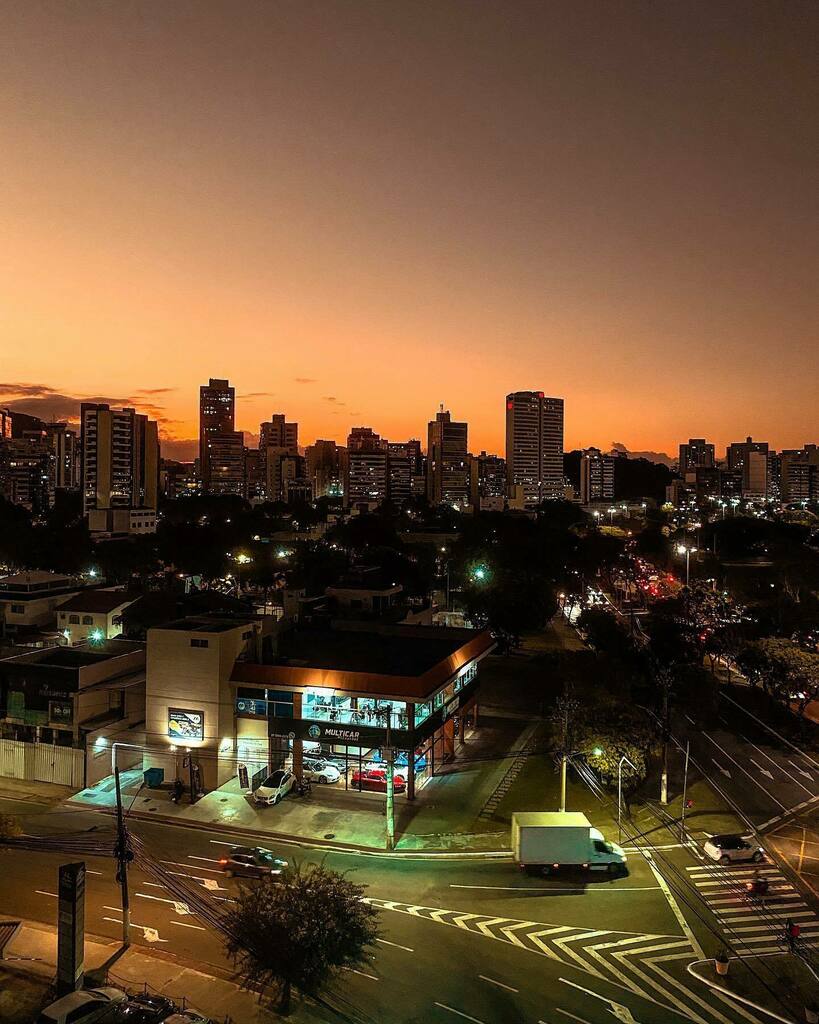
(144, 1008)
(251, 862)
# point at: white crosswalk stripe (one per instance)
(751, 925)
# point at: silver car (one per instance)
(730, 849)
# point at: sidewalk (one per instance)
(27, 973)
(445, 816)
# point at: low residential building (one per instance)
(62, 709)
(29, 601)
(93, 615)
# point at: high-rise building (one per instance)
(754, 470)
(278, 433)
(534, 446)
(5, 424)
(697, 454)
(447, 461)
(487, 482)
(596, 476)
(120, 470)
(66, 456)
(217, 416)
(225, 459)
(324, 468)
(367, 483)
(800, 474)
(255, 474)
(26, 471)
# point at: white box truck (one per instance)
(545, 841)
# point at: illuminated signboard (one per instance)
(184, 725)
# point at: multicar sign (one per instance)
(333, 732)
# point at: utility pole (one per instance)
(664, 776)
(685, 791)
(565, 709)
(390, 759)
(123, 855)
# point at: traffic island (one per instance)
(760, 982)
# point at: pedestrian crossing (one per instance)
(637, 961)
(754, 927)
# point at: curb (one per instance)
(309, 842)
(733, 995)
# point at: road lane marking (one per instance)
(675, 910)
(149, 934)
(352, 970)
(184, 924)
(210, 860)
(770, 730)
(571, 1016)
(41, 892)
(755, 781)
(561, 889)
(397, 945)
(500, 984)
(180, 864)
(465, 1016)
(179, 907)
(776, 764)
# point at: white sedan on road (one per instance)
(730, 849)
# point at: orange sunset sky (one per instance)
(358, 210)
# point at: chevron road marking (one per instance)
(628, 982)
(483, 925)
(461, 919)
(562, 945)
(535, 937)
(509, 933)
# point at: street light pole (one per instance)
(122, 861)
(620, 794)
(685, 791)
(390, 808)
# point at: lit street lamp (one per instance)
(686, 549)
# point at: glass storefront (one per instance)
(319, 706)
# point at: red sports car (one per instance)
(376, 779)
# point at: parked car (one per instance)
(376, 779)
(187, 1017)
(319, 770)
(251, 862)
(275, 787)
(145, 1008)
(401, 760)
(83, 1007)
(728, 849)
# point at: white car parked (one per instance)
(319, 770)
(728, 849)
(275, 787)
(82, 1007)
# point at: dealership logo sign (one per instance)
(314, 731)
(343, 734)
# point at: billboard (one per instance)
(185, 725)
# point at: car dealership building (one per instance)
(239, 698)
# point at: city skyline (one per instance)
(362, 213)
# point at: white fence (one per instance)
(42, 762)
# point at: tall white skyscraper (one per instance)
(534, 445)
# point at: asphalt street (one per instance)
(461, 940)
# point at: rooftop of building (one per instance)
(208, 624)
(100, 601)
(77, 657)
(37, 581)
(409, 662)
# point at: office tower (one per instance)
(225, 460)
(26, 471)
(367, 477)
(596, 476)
(487, 482)
(65, 455)
(405, 463)
(255, 475)
(774, 475)
(800, 474)
(277, 433)
(324, 468)
(217, 416)
(447, 461)
(364, 439)
(754, 471)
(120, 470)
(5, 424)
(697, 454)
(534, 446)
